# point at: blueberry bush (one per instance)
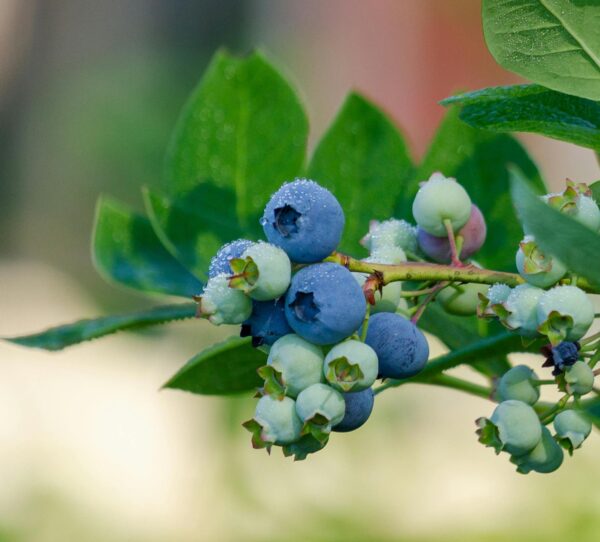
(330, 285)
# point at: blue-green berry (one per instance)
(461, 299)
(220, 262)
(565, 313)
(498, 293)
(298, 363)
(579, 378)
(274, 422)
(572, 428)
(321, 404)
(522, 306)
(263, 272)
(267, 323)
(546, 457)
(351, 366)
(359, 405)
(514, 427)
(441, 199)
(222, 304)
(537, 267)
(519, 383)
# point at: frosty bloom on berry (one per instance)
(220, 262)
(520, 310)
(325, 304)
(223, 305)
(305, 220)
(391, 233)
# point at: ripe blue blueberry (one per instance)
(513, 427)
(293, 365)
(263, 272)
(572, 428)
(560, 356)
(274, 422)
(441, 199)
(305, 220)
(473, 235)
(220, 262)
(579, 378)
(359, 405)
(267, 323)
(351, 366)
(461, 299)
(224, 305)
(401, 347)
(546, 457)
(519, 383)
(391, 233)
(536, 267)
(325, 304)
(565, 313)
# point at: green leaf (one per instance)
(558, 234)
(456, 332)
(227, 367)
(243, 130)
(479, 161)
(60, 337)
(364, 161)
(555, 43)
(194, 226)
(126, 250)
(595, 188)
(532, 108)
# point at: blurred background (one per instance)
(90, 450)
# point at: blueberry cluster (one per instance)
(332, 325)
(326, 346)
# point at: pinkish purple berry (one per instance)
(473, 234)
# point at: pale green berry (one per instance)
(386, 300)
(391, 233)
(321, 401)
(224, 305)
(587, 213)
(522, 305)
(351, 366)
(278, 419)
(299, 363)
(274, 271)
(579, 378)
(572, 428)
(570, 302)
(518, 383)
(461, 299)
(518, 427)
(387, 254)
(537, 267)
(546, 457)
(441, 199)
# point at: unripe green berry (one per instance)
(565, 312)
(513, 427)
(222, 304)
(536, 267)
(299, 363)
(274, 271)
(391, 233)
(572, 428)
(321, 401)
(546, 457)
(351, 366)
(522, 306)
(277, 420)
(518, 383)
(441, 199)
(462, 299)
(579, 378)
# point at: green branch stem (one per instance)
(426, 271)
